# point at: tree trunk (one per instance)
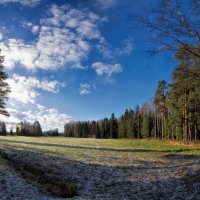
(162, 123)
(138, 124)
(195, 132)
(185, 124)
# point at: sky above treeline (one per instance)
(75, 60)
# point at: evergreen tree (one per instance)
(4, 88)
(137, 122)
(2, 128)
(145, 121)
(37, 131)
(122, 131)
(160, 109)
(113, 126)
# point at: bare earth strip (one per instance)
(113, 175)
(13, 187)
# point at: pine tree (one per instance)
(2, 128)
(137, 122)
(160, 108)
(4, 88)
(113, 126)
(122, 127)
(145, 121)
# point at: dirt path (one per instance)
(167, 177)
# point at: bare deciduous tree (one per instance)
(171, 25)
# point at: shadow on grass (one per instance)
(181, 156)
(59, 176)
(99, 148)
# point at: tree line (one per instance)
(173, 113)
(25, 128)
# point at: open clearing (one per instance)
(58, 167)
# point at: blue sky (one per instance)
(75, 60)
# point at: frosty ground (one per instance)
(57, 168)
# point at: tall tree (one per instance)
(113, 126)
(4, 88)
(160, 108)
(145, 121)
(137, 122)
(37, 130)
(180, 90)
(2, 128)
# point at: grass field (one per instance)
(107, 169)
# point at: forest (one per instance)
(173, 113)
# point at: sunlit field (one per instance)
(101, 168)
(129, 144)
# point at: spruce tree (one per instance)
(4, 88)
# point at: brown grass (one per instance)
(47, 180)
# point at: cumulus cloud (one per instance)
(17, 52)
(49, 118)
(25, 89)
(22, 104)
(106, 69)
(85, 88)
(63, 39)
(28, 3)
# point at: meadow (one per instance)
(81, 168)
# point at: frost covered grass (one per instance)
(106, 169)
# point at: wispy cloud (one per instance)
(123, 50)
(28, 3)
(106, 69)
(104, 5)
(85, 88)
(126, 48)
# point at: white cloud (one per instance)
(106, 69)
(22, 104)
(28, 3)
(63, 39)
(24, 89)
(124, 49)
(16, 51)
(85, 88)
(105, 4)
(35, 29)
(49, 118)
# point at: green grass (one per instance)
(110, 151)
(108, 143)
